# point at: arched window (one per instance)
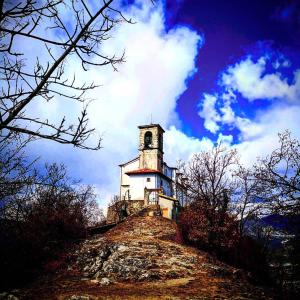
(148, 139)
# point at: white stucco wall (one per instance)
(138, 183)
(125, 179)
(134, 165)
(166, 203)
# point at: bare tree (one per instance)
(60, 28)
(210, 186)
(245, 203)
(278, 176)
(16, 173)
(210, 178)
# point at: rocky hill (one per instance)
(140, 259)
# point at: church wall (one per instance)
(125, 179)
(126, 168)
(181, 196)
(166, 185)
(166, 206)
(138, 184)
(150, 159)
(168, 171)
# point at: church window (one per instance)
(148, 139)
(148, 179)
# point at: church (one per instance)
(148, 180)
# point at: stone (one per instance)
(122, 248)
(105, 281)
(144, 276)
(172, 274)
(79, 297)
(97, 275)
(104, 254)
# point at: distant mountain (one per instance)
(290, 224)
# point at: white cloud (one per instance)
(228, 115)
(225, 139)
(259, 137)
(251, 80)
(180, 146)
(212, 118)
(209, 113)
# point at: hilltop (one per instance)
(141, 259)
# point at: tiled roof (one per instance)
(148, 171)
(143, 171)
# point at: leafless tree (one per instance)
(210, 178)
(278, 176)
(210, 186)
(16, 173)
(278, 183)
(245, 200)
(61, 29)
(51, 193)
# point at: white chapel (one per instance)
(148, 179)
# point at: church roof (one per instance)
(128, 162)
(142, 171)
(148, 171)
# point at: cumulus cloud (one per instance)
(180, 146)
(251, 80)
(209, 113)
(212, 117)
(228, 115)
(225, 139)
(264, 129)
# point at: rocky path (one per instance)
(139, 259)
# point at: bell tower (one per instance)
(151, 147)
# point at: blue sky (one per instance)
(205, 70)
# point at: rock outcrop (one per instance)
(140, 259)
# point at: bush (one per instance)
(218, 234)
(208, 229)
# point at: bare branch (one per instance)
(25, 20)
